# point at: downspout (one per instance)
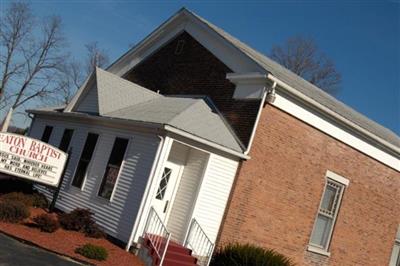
(270, 94)
(146, 192)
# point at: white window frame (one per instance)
(89, 165)
(343, 183)
(124, 159)
(395, 255)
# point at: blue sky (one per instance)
(363, 38)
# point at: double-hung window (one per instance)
(395, 258)
(84, 161)
(47, 134)
(113, 167)
(327, 213)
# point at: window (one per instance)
(84, 161)
(66, 139)
(326, 216)
(163, 183)
(112, 169)
(395, 258)
(46, 134)
(179, 47)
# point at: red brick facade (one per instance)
(196, 71)
(277, 194)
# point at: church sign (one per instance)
(31, 159)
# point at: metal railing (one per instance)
(156, 233)
(201, 246)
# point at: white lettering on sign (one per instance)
(31, 159)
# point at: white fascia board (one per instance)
(117, 122)
(230, 55)
(148, 46)
(80, 92)
(247, 77)
(335, 116)
(185, 21)
(83, 118)
(338, 178)
(334, 131)
(206, 142)
(248, 85)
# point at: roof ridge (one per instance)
(130, 106)
(208, 102)
(248, 50)
(130, 83)
(189, 106)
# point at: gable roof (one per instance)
(305, 87)
(266, 64)
(106, 92)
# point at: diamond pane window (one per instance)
(163, 183)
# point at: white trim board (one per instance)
(185, 21)
(338, 178)
(328, 128)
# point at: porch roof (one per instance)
(197, 116)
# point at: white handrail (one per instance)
(157, 234)
(200, 244)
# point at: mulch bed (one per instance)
(65, 242)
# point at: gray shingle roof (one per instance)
(307, 88)
(191, 115)
(115, 92)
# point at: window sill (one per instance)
(318, 251)
(103, 200)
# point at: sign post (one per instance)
(57, 190)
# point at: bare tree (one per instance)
(96, 57)
(302, 56)
(34, 57)
(14, 28)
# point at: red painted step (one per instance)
(176, 254)
(176, 263)
(171, 255)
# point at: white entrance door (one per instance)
(166, 188)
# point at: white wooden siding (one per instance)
(178, 153)
(214, 194)
(182, 207)
(90, 102)
(116, 217)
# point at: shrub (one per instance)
(19, 197)
(93, 230)
(39, 200)
(81, 220)
(76, 220)
(13, 211)
(248, 255)
(46, 222)
(92, 252)
(35, 199)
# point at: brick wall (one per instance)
(196, 71)
(278, 191)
